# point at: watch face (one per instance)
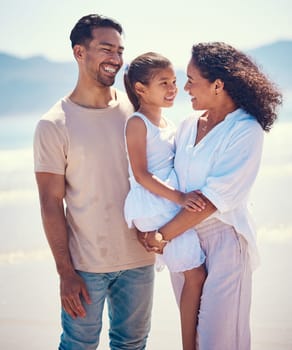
(159, 237)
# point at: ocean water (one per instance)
(24, 252)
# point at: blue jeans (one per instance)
(129, 296)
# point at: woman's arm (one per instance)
(179, 224)
(185, 220)
(136, 145)
(228, 182)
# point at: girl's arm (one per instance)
(136, 143)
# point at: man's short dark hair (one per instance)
(81, 34)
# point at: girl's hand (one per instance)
(193, 201)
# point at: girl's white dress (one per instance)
(148, 212)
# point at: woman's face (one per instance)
(200, 89)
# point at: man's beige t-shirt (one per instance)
(87, 146)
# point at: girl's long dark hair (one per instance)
(142, 69)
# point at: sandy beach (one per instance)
(29, 317)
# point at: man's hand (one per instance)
(72, 288)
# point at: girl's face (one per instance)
(161, 90)
(200, 89)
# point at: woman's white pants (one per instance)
(226, 298)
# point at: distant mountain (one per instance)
(32, 85)
(276, 60)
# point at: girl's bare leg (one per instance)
(190, 304)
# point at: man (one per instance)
(81, 172)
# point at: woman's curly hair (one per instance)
(248, 87)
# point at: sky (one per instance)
(34, 27)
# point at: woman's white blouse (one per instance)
(223, 165)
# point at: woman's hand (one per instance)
(152, 241)
(193, 201)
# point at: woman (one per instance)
(219, 153)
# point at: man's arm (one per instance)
(51, 193)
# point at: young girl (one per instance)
(153, 199)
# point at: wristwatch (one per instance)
(159, 237)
